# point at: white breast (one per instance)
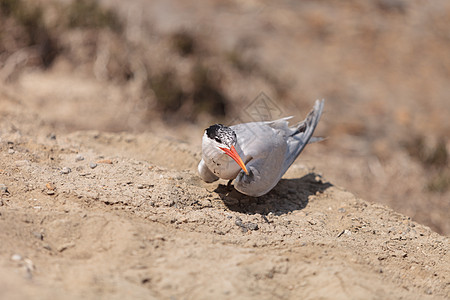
(217, 161)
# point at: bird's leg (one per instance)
(229, 187)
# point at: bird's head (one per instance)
(224, 138)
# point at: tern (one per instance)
(257, 154)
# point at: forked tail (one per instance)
(303, 134)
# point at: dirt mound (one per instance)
(92, 214)
(177, 67)
(102, 106)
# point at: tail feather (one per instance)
(303, 134)
(316, 139)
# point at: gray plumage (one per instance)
(268, 149)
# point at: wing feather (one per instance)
(305, 129)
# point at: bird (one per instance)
(257, 154)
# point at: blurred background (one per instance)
(173, 68)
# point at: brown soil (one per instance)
(99, 192)
(141, 224)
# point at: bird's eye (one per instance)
(218, 140)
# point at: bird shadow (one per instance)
(288, 195)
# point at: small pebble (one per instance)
(3, 189)
(50, 192)
(92, 165)
(346, 232)
(252, 226)
(38, 235)
(65, 247)
(22, 163)
(65, 170)
(160, 237)
(11, 151)
(292, 191)
(105, 161)
(79, 157)
(140, 186)
(312, 221)
(16, 257)
(50, 186)
(29, 265)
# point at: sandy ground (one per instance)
(101, 215)
(178, 67)
(100, 139)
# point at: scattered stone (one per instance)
(105, 161)
(140, 186)
(400, 253)
(29, 266)
(92, 165)
(252, 226)
(1, 203)
(66, 170)
(65, 246)
(247, 226)
(16, 257)
(50, 186)
(312, 221)
(160, 237)
(3, 189)
(50, 192)
(11, 151)
(79, 157)
(52, 136)
(292, 191)
(346, 232)
(38, 235)
(239, 223)
(22, 163)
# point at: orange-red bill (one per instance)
(234, 155)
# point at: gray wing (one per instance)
(270, 149)
(258, 137)
(263, 145)
(297, 141)
(264, 166)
